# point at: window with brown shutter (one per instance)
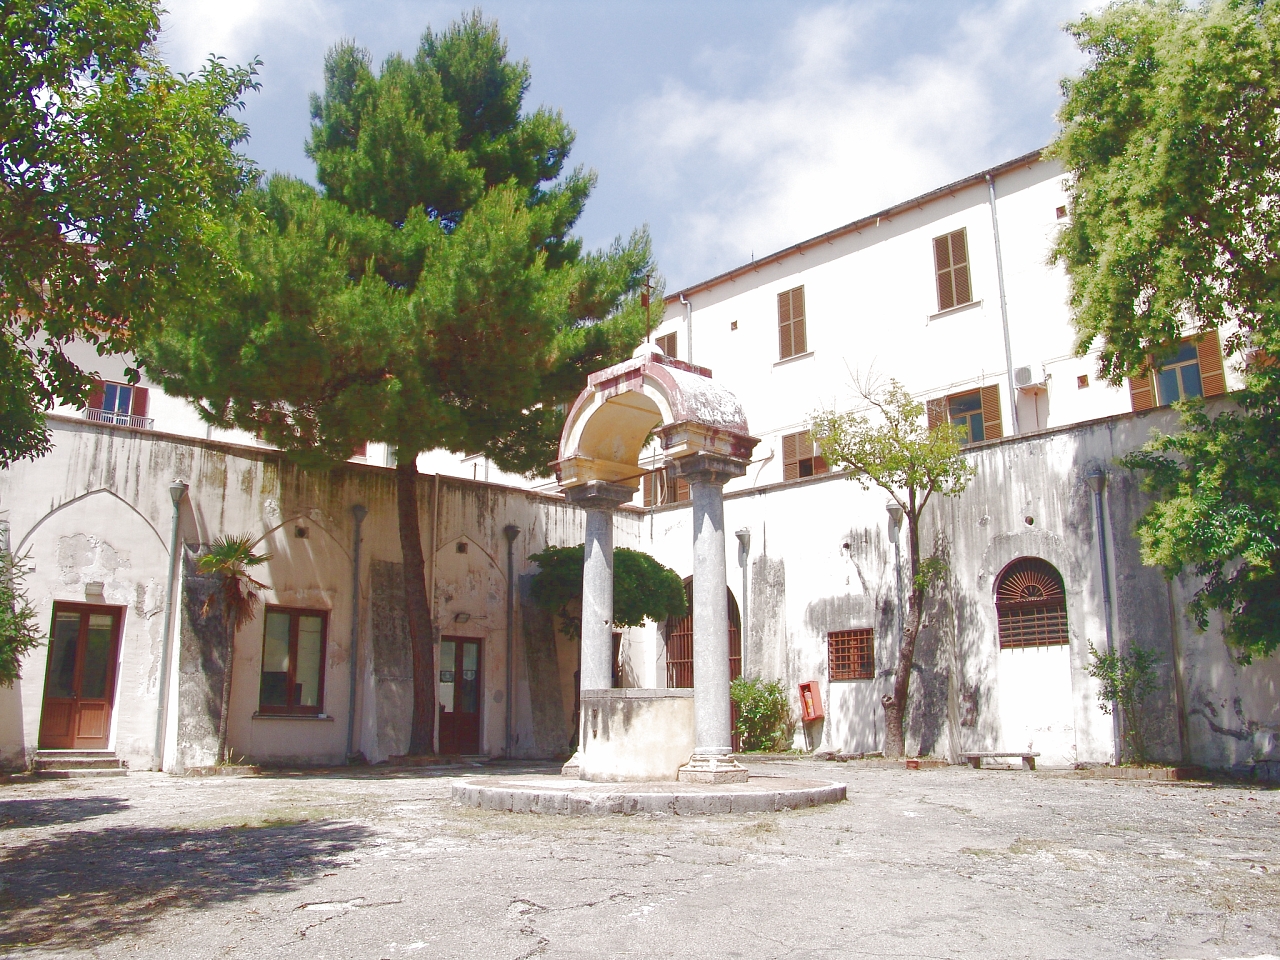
(119, 403)
(851, 655)
(799, 458)
(667, 344)
(951, 266)
(1194, 369)
(360, 449)
(792, 340)
(662, 486)
(976, 412)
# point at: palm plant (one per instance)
(230, 559)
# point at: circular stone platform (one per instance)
(552, 794)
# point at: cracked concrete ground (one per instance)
(932, 863)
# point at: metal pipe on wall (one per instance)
(744, 541)
(177, 491)
(511, 531)
(359, 512)
(1097, 481)
(1004, 309)
(688, 323)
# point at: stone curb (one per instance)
(514, 799)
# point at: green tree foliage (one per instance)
(1172, 138)
(230, 559)
(1126, 683)
(430, 295)
(890, 446)
(764, 715)
(642, 587)
(114, 173)
(19, 633)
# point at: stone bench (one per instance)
(975, 759)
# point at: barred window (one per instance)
(851, 655)
(1031, 605)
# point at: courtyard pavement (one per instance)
(933, 863)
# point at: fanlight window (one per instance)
(1031, 605)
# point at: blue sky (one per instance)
(730, 128)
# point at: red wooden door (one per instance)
(79, 684)
(460, 695)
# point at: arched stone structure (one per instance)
(703, 431)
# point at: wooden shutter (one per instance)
(1142, 392)
(95, 395)
(790, 457)
(960, 267)
(799, 341)
(937, 412)
(360, 449)
(683, 493)
(1209, 352)
(942, 272)
(139, 406)
(784, 325)
(992, 421)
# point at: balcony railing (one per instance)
(123, 419)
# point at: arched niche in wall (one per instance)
(1031, 605)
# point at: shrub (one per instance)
(19, 631)
(1126, 683)
(764, 715)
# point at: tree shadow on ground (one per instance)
(85, 886)
(55, 811)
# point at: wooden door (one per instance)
(460, 695)
(79, 684)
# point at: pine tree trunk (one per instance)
(226, 689)
(895, 706)
(417, 606)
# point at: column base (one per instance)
(573, 766)
(709, 768)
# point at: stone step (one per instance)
(76, 774)
(82, 762)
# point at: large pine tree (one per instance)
(430, 295)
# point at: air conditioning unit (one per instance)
(1029, 377)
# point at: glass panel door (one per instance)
(80, 677)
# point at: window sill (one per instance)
(293, 716)
(799, 356)
(946, 313)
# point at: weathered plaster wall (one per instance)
(822, 560)
(97, 509)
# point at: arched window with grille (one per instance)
(1031, 605)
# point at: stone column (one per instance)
(599, 499)
(711, 761)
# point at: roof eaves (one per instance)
(1025, 160)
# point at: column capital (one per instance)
(710, 468)
(599, 495)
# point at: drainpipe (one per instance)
(177, 490)
(1097, 481)
(511, 531)
(359, 513)
(744, 541)
(688, 324)
(1004, 309)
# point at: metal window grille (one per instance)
(851, 655)
(1031, 605)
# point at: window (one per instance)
(951, 264)
(1082, 382)
(293, 653)
(1061, 213)
(977, 412)
(662, 486)
(791, 331)
(1194, 370)
(120, 403)
(360, 450)
(851, 655)
(1031, 605)
(799, 459)
(667, 344)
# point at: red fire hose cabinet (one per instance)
(810, 701)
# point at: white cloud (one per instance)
(829, 136)
(239, 30)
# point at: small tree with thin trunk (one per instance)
(230, 558)
(890, 445)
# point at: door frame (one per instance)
(458, 640)
(117, 612)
